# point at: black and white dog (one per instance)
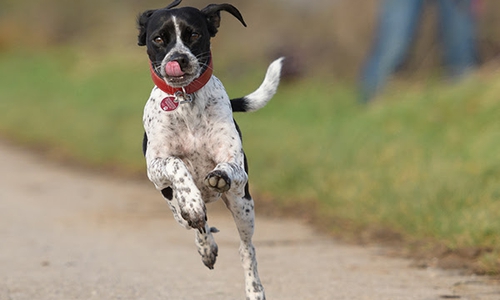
(192, 144)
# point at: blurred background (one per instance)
(327, 37)
(420, 161)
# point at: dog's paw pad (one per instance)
(218, 180)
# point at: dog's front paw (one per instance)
(195, 218)
(218, 180)
(192, 209)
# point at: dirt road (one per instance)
(68, 235)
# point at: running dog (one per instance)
(192, 144)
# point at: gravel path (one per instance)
(69, 234)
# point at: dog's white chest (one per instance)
(199, 133)
(180, 133)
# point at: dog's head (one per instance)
(178, 39)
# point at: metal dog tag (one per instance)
(169, 103)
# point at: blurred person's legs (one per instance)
(397, 22)
(457, 29)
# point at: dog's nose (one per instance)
(181, 59)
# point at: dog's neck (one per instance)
(194, 86)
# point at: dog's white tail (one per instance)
(264, 93)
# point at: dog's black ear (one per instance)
(142, 23)
(173, 4)
(212, 12)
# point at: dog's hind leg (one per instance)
(207, 247)
(242, 209)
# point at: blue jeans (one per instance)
(398, 20)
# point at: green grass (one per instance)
(90, 113)
(424, 162)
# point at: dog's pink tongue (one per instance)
(173, 69)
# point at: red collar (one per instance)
(194, 86)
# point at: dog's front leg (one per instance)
(225, 176)
(171, 176)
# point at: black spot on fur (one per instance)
(144, 144)
(168, 193)
(247, 188)
(237, 129)
(239, 105)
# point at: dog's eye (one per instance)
(158, 40)
(195, 36)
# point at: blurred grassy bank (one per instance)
(73, 109)
(423, 165)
